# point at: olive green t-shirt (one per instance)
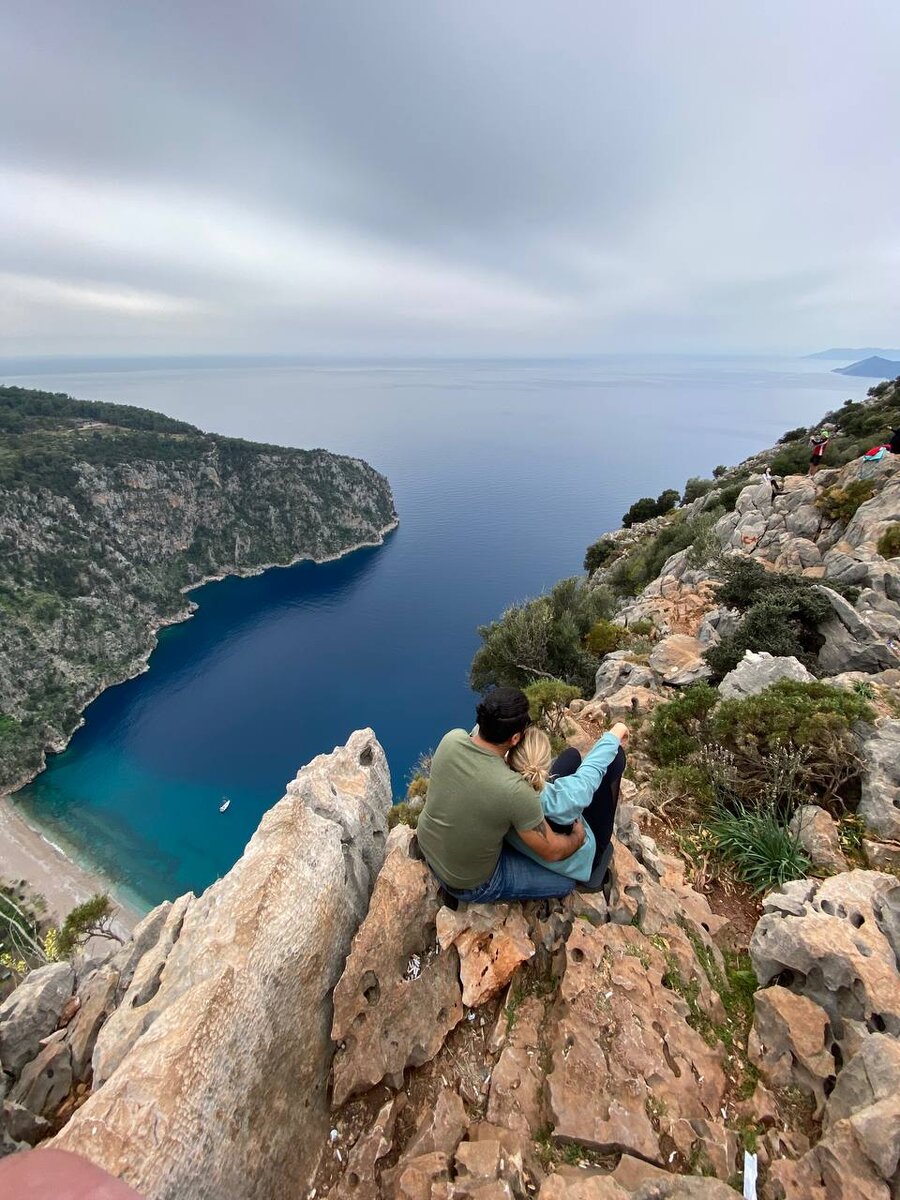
(473, 800)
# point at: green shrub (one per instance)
(676, 728)
(91, 919)
(642, 628)
(782, 614)
(548, 700)
(695, 488)
(641, 510)
(794, 435)
(598, 554)
(542, 637)
(792, 459)
(403, 814)
(759, 844)
(790, 741)
(605, 636)
(646, 508)
(811, 718)
(719, 471)
(727, 497)
(889, 542)
(840, 503)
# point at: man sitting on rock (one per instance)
(474, 799)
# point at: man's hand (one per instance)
(622, 732)
(550, 846)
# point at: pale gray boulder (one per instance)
(836, 941)
(851, 644)
(224, 1092)
(756, 672)
(817, 833)
(32, 1012)
(879, 805)
(617, 671)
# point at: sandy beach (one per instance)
(26, 854)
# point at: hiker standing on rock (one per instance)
(474, 799)
(817, 445)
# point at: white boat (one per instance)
(224, 805)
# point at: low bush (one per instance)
(889, 542)
(782, 614)
(719, 471)
(676, 728)
(403, 813)
(792, 459)
(840, 503)
(759, 844)
(547, 702)
(801, 433)
(646, 508)
(542, 637)
(792, 740)
(599, 554)
(605, 636)
(811, 718)
(695, 488)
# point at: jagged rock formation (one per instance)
(829, 1026)
(107, 513)
(209, 1078)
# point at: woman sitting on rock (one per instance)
(573, 787)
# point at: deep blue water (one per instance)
(502, 472)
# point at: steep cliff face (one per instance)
(108, 513)
(211, 1067)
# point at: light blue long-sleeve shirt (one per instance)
(565, 799)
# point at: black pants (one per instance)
(600, 814)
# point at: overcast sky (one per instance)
(449, 176)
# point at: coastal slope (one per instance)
(108, 513)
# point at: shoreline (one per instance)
(27, 853)
(26, 850)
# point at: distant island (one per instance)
(872, 368)
(837, 353)
(108, 514)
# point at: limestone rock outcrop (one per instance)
(836, 941)
(756, 672)
(491, 940)
(678, 660)
(399, 995)
(879, 804)
(817, 833)
(32, 1012)
(229, 1069)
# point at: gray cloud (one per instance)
(419, 176)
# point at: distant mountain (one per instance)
(853, 355)
(872, 368)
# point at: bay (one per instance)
(503, 472)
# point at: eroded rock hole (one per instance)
(827, 907)
(875, 1023)
(371, 988)
(838, 1055)
(828, 1084)
(857, 919)
(577, 955)
(367, 757)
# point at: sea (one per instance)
(503, 472)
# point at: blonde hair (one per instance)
(531, 757)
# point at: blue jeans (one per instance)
(515, 878)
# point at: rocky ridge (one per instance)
(108, 514)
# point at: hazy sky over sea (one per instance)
(448, 176)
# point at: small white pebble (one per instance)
(333, 1136)
(672, 1156)
(339, 1156)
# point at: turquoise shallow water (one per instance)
(502, 472)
